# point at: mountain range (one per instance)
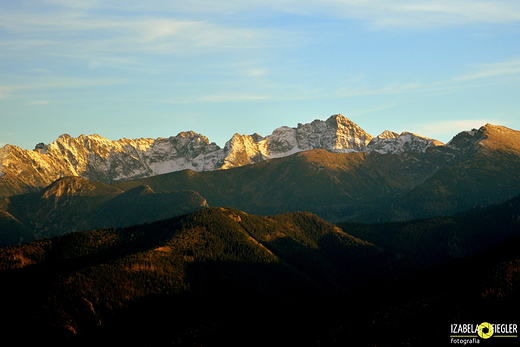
(96, 158)
(356, 178)
(319, 235)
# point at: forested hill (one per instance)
(83, 285)
(433, 241)
(221, 276)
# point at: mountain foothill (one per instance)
(316, 235)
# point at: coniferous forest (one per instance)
(221, 276)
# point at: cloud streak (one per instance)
(508, 70)
(378, 13)
(157, 34)
(39, 102)
(55, 83)
(491, 70)
(141, 23)
(80, 29)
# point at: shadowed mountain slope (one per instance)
(74, 203)
(433, 241)
(419, 309)
(12, 231)
(85, 285)
(489, 173)
(330, 184)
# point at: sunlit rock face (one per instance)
(336, 134)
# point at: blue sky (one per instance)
(156, 68)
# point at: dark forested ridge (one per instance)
(221, 276)
(12, 231)
(85, 284)
(437, 240)
(418, 309)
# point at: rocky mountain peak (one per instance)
(465, 139)
(349, 134)
(41, 148)
(340, 121)
(92, 137)
(193, 140)
(387, 134)
(391, 143)
(257, 137)
(486, 140)
(337, 134)
(499, 137)
(242, 150)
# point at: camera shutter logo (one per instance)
(485, 330)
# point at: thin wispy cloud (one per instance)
(157, 34)
(232, 98)
(4, 91)
(508, 70)
(39, 102)
(221, 98)
(378, 13)
(491, 70)
(441, 13)
(485, 73)
(42, 84)
(143, 22)
(78, 28)
(394, 88)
